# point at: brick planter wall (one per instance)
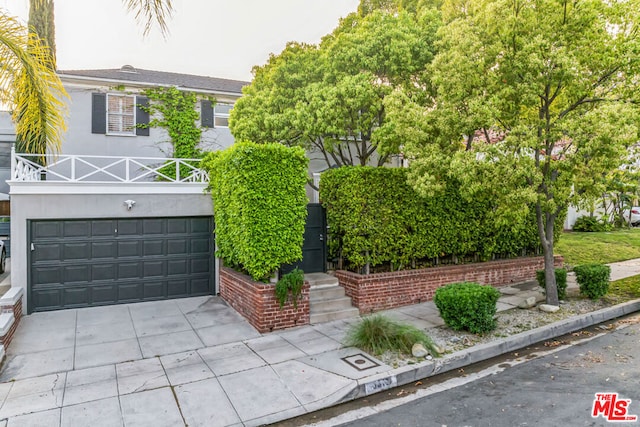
(382, 291)
(10, 314)
(258, 304)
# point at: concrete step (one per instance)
(324, 293)
(328, 305)
(346, 313)
(320, 280)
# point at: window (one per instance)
(116, 115)
(121, 116)
(221, 115)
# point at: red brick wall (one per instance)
(382, 291)
(258, 304)
(17, 314)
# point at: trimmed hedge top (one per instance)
(259, 199)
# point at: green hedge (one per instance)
(376, 217)
(561, 281)
(259, 201)
(468, 306)
(593, 279)
(591, 224)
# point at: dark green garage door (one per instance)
(82, 263)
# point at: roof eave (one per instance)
(138, 84)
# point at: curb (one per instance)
(411, 373)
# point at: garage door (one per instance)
(82, 263)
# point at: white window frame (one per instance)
(121, 114)
(217, 115)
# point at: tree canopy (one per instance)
(532, 100)
(329, 98)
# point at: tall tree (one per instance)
(534, 98)
(329, 98)
(42, 22)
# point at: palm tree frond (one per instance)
(31, 89)
(150, 11)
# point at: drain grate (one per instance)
(360, 362)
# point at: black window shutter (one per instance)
(142, 117)
(206, 113)
(98, 113)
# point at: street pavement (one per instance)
(197, 362)
(557, 389)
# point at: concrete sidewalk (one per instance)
(197, 362)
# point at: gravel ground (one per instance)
(509, 322)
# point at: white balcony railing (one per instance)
(105, 169)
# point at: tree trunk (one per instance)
(545, 223)
(550, 275)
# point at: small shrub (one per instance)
(377, 334)
(591, 224)
(290, 284)
(468, 306)
(593, 279)
(561, 281)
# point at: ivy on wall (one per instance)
(175, 111)
(259, 200)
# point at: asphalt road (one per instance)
(554, 390)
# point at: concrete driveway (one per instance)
(191, 361)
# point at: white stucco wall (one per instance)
(79, 140)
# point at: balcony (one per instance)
(80, 174)
(105, 169)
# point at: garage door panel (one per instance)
(177, 226)
(76, 228)
(47, 275)
(104, 294)
(154, 290)
(177, 247)
(178, 288)
(200, 225)
(128, 227)
(43, 230)
(77, 263)
(130, 292)
(176, 267)
(129, 270)
(129, 248)
(104, 250)
(76, 297)
(200, 246)
(153, 226)
(103, 228)
(103, 272)
(200, 286)
(47, 299)
(77, 250)
(153, 247)
(154, 268)
(200, 265)
(76, 273)
(47, 252)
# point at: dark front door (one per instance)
(314, 249)
(89, 262)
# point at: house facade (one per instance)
(103, 222)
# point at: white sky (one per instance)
(218, 38)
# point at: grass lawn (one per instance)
(609, 246)
(624, 289)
